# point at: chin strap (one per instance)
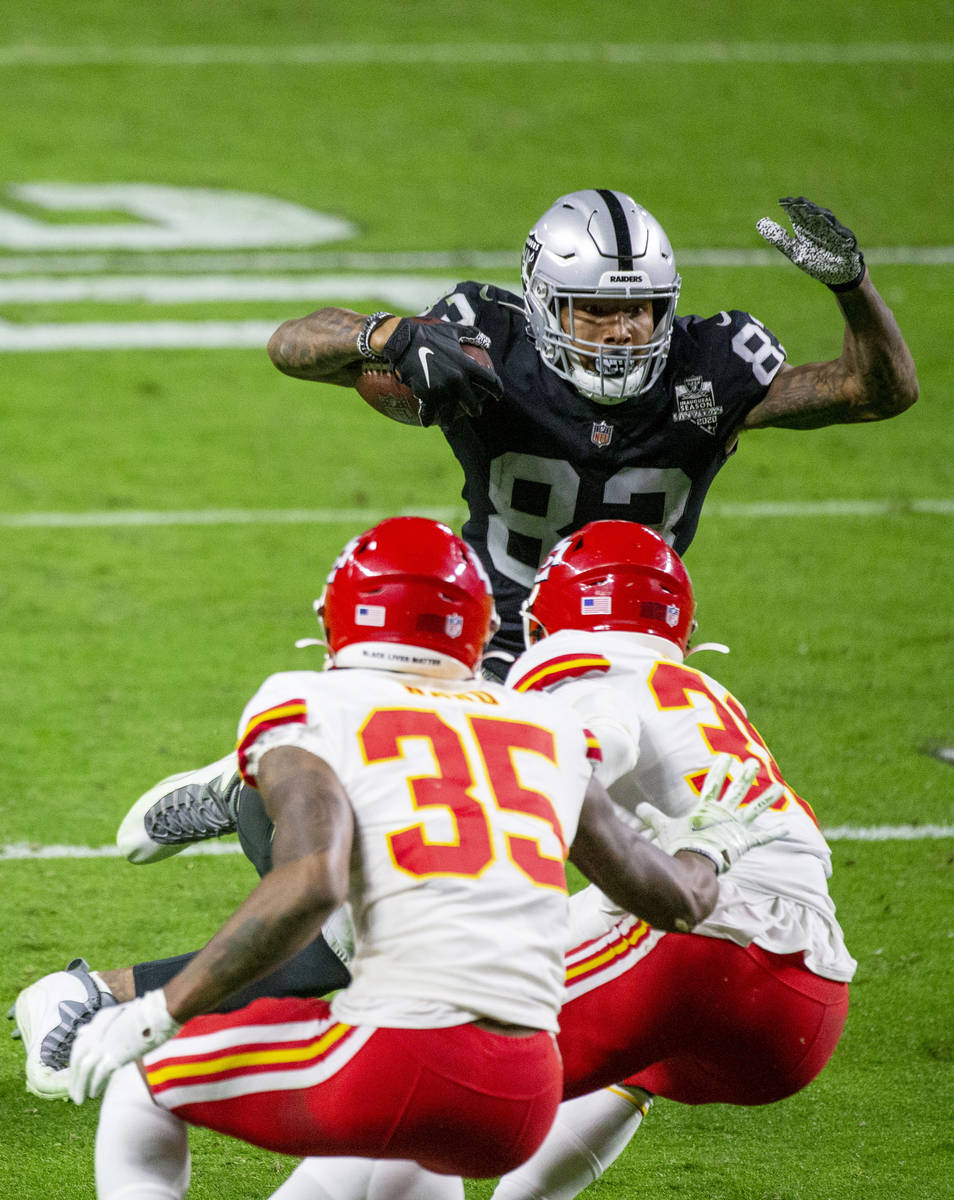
(718, 647)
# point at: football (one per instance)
(379, 386)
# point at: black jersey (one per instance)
(545, 459)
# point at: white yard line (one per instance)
(407, 291)
(458, 54)
(364, 516)
(23, 851)
(460, 262)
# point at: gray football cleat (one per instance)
(48, 1014)
(181, 809)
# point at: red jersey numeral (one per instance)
(451, 787)
(673, 684)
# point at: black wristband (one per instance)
(852, 283)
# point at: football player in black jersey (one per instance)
(602, 402)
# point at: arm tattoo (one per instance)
(874, 378)
(322, 346)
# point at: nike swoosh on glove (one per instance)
(819, 244)
(116, 1036)
(431, 360)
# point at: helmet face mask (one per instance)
(408, 595)
(598, 245)
(611, 576)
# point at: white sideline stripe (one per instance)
(402, 291)
(368, 516)
(460, 261)
(137, 335)
(409, 292)
(27, 851)
(217, 516)
(338, 54)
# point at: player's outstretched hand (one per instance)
(116, 1036)
(819, 244)
(432, 360)
(719, 827)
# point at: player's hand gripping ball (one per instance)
(431, 371)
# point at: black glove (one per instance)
(431, 360)
(822, 247)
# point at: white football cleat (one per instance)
(181, 809)
(48, 1014)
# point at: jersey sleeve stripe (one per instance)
(290, 712)
(555, 670)
(594, 751)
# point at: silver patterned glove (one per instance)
(718, 827)
(821, 246)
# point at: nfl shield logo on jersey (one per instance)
(601, 434)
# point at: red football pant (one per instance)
(704, 1021)
(284, 1075)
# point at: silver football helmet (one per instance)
(598, 244)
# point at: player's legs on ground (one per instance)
(50, 1011)
(463, 1100)
(48, 1014)
(589, 1134)
(142, 1151)
(366, 1179)
(701, 1020)
(181, 809)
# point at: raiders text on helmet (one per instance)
(598, 244)
(408, 595)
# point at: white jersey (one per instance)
(466, 798)
(660, 724)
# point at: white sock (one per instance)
(366, 1179)
(142, 1151)
(588, 1134)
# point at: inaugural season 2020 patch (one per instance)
(695, 401)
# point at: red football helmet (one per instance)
(611, 575)
(408, 595)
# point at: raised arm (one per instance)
(875, 376)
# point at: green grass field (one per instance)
(128, 649)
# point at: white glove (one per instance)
(116, 1036)
(822, 247)
(717, 827)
